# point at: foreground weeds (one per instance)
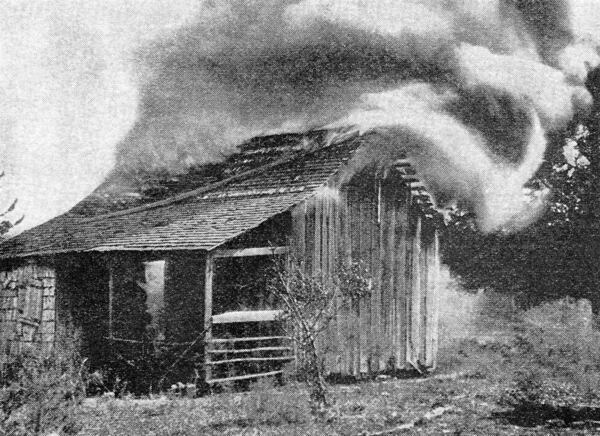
(549, 369)
(41, 390)
(264, 408)
(538, 377)
(467, 405)
(558, 375)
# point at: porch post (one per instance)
(111, 291)
(416, 338)
(208, 291)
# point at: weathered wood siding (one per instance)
(374, 220)
(27, 315)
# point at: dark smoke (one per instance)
(470, 87)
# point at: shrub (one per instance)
(531, 391)
(309, 303)
(41, 389)
(556, 358)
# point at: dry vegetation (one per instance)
(541, 375)
(41, 391)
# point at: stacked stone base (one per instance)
(27, 309)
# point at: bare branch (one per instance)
(309, 304)
(10, 208)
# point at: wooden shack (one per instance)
(182, 261)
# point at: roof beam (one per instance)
(243, 252)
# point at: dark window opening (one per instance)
(138, 301)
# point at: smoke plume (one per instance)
(468, 88)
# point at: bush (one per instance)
(557, 362)
(41, 390)
(531, 391)
(309, 304)
(560, 344)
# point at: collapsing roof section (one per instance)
(268, 176)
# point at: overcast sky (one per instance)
(69, 92)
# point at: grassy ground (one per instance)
(465, 396)
(460, 403)
(466, 406)
(362, 408)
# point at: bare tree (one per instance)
(5, 223)
(309, 303)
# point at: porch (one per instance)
(176, 317)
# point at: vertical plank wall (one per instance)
(373, 220)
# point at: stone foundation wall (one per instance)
(27, 308)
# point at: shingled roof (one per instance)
(207, 207)
(267, 177)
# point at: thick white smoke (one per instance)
(454, 160)
(468, 88)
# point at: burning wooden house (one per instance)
(185, 261)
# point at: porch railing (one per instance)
(225, 353)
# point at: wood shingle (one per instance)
(264, 179)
